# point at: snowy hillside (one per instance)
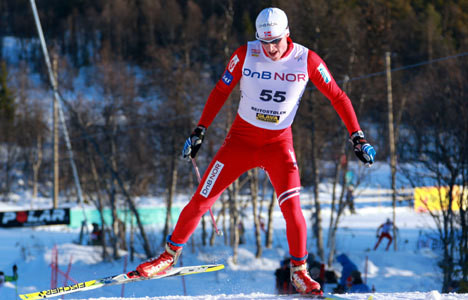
(409, 273)
(395, 275)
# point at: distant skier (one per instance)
(383, 231)
(273, 73)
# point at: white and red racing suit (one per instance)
(261, 135)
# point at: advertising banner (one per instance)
(436, 198)
(35, 217)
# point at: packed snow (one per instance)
(409, 273)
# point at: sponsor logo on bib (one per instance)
(267, 118)
(267, 75)
(255, 52)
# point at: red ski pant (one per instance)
(386, 235)
(244, 148)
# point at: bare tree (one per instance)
(171, 189)
(436, 149)
(253, 174)
(7, 129)
(234, 218)
(270, 229)
(99, 202)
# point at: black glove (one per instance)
(15, 269)
(193, 142)
(363, 150)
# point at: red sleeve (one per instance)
(224, 87)
(322, 79)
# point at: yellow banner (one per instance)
(436, 198)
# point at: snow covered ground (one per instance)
(409, 273)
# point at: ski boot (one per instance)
(301, 279)
(164, 262)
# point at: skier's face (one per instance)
(276, 47)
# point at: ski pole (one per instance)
(218, 232)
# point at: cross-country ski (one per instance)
(119, 279)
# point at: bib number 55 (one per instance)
(277, 96)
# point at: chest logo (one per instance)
(255, 52)
(267, 75)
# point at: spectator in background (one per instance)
(5, 278)
(241, 232)
(454, 287)
(316, 270)
(350, 199)
(357, 285)
(261, 220)
(96, 235)
(383, 231)
(282, 274)
(348, 268)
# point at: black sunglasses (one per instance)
(275, 41)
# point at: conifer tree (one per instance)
(7, 105)
(7, 113)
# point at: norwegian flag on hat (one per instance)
(271, 23)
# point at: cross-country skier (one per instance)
(383, 231)
(273, 73)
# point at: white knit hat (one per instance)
(271, 23)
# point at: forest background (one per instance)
(134, 76)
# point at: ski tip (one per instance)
(217, 267)
(82, 286)
(31, 297)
